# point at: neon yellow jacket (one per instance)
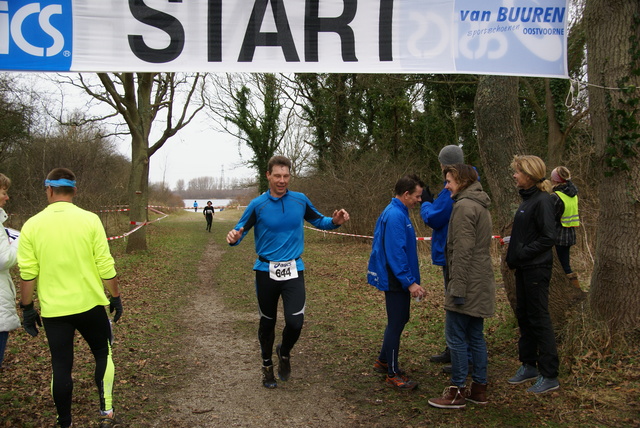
(66, 249)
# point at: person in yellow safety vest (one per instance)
(565, 196)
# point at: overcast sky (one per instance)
(197, 151)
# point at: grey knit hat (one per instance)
(450, 155)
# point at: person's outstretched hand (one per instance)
(340, 217)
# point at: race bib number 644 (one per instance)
(283, 271)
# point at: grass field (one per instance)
(345, 319)
(343, 329)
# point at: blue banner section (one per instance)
(36, 35)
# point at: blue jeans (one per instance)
(444, 273)
(4, 335)
(466, 332)
(398, 305)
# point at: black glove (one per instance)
(427, 196)
(115, 304)
(30, 318)
(457, 300)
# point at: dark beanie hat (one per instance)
(450, 155)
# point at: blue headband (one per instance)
(61, 182)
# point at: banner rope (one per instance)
(574, 90)
(140, 224)
(422, 238)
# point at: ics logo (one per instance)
(36, 35)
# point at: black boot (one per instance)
(443, 358)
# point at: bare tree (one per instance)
(142, 100)
(297, 147)
(202, 185)
(15, 117)
(180, 186)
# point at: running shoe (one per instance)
(109, 421)
(401, 382)
(380, 367)
(268, 380)
(284, 365)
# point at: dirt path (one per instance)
(224, 388)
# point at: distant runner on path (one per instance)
(208, 214)
(277, 216)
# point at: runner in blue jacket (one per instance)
(277, 217)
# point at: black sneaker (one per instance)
(284, 365)
(268, 380)
(443, 358)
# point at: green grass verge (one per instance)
(345, 320)
(344, 323)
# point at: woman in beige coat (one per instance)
(470, 287)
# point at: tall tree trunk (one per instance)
(138, 193)
(500, 137)
(613, 41)
(556, 138)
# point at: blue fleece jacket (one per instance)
(436, 215)
(394, 248)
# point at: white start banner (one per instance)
(501, 37)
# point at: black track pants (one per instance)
(268, 292)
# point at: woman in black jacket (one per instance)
(529, 253)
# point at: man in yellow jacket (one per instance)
(64, 249)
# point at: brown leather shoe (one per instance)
(452, 398)
(573, 279)
(477, 393)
